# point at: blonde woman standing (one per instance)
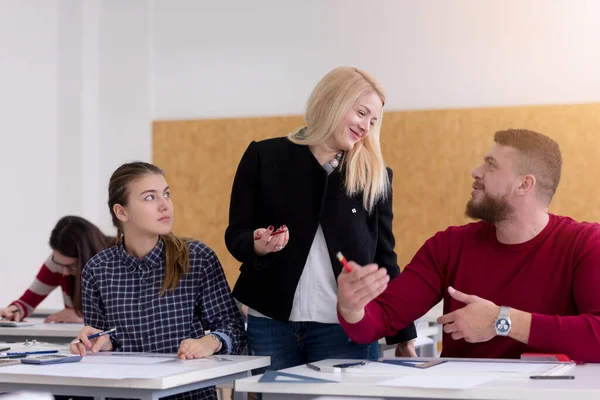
(298, 200)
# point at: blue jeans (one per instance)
(295, 343)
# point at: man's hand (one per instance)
(475, 322)
(357, 288)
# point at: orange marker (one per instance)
(343, 261)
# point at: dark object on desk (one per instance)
(11, 356)
(550, 377)
(283, 377)
(51, 359)
(348, 365)
(14, 324)
(4, 348)
(28, 353)
(314, 367)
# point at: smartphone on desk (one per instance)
(51, 359)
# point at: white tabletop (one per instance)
(586, 385)
(41, 330)
(137, 375)
(103, 368)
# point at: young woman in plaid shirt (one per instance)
(160, 292)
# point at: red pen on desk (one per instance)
(343, 261)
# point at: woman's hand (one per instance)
(266, 241)
(66, 315)
(12, 313)
(100, 343)
(197, 348)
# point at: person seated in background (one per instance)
(162, 293)
(73, 241)
(521, 280)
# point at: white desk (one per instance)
(585, 386)
(95, 376)
(40, 331)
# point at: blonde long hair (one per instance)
(363, 166)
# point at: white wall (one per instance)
(29, 149)
(233, 58)
(74, 104)
(81, 81)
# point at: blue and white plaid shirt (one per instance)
(121, 291)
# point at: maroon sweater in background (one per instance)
(555, 276)
(48, 278)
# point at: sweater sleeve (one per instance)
(385, 255)
(47, 279)
(576, 336)
(243, 206)
(415, 291)
(218, 310)
(94, 312)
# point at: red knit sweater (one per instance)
(555, 276)
(49, 277)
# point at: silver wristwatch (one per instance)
(503, 324)
(218, 339)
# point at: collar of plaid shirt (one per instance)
(151, 261)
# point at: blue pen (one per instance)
(26, 353)
(95, 335)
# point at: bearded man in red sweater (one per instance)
(520, 280)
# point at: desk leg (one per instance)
(240, 395)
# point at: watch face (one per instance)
(502, 325)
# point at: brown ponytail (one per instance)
(177, 256)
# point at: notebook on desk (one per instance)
(458, 367)
(14, 324)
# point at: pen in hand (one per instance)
(95, 335)
(343, 261)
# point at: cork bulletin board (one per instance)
(431, 152)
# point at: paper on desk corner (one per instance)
(439, 382)
(379, 368)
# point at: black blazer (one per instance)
(279, 182)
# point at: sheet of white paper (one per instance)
(38, 346)
(118, 359)
(195, 361)
(378, 368)
(98, 371)
(287, 379)
(479, 367)
(438, 382)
